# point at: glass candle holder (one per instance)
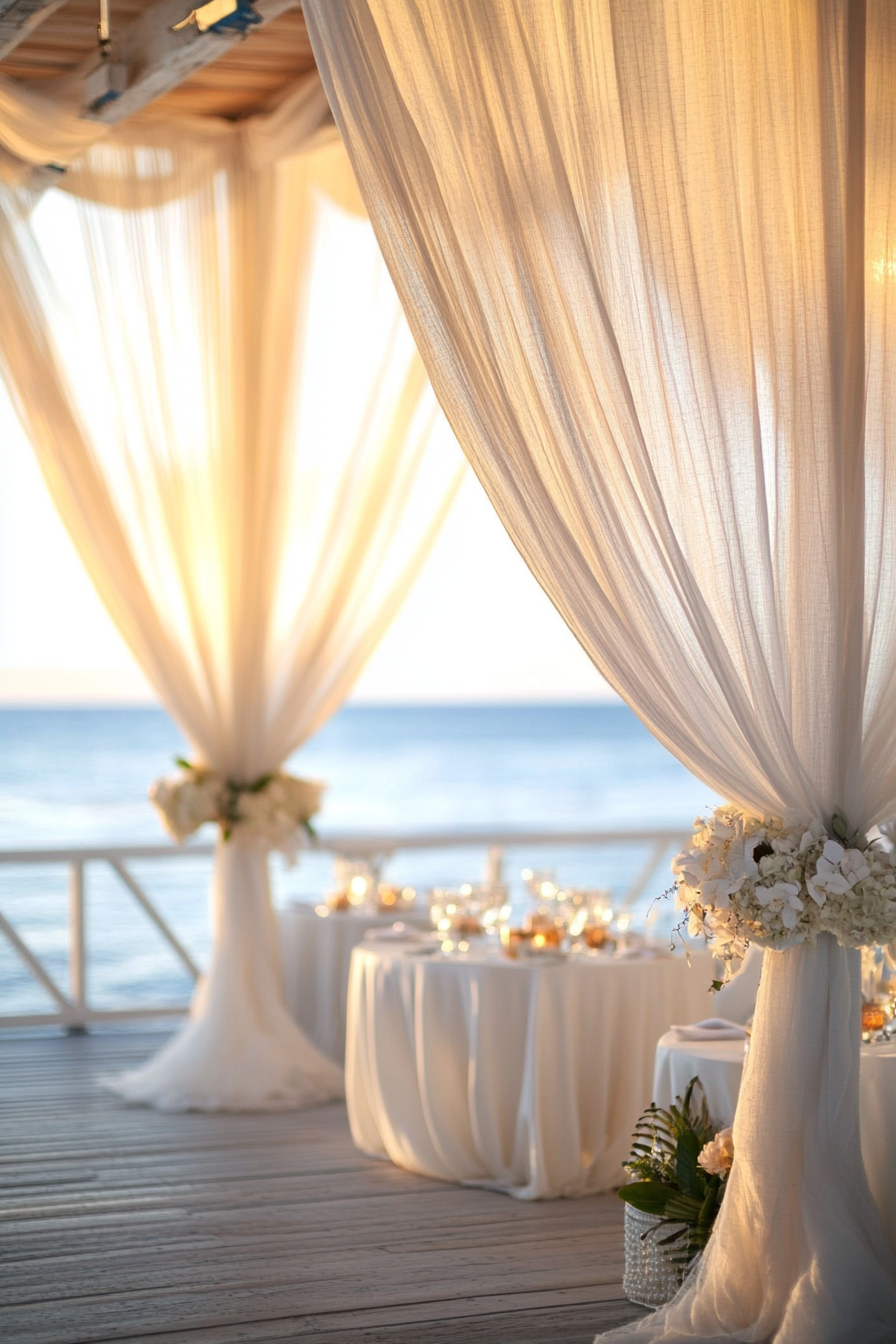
(391, 900)
(597, 936)
(540, 883)
(355, 883)
(874, 1020)
(590, 925)
(540, 934)
(458, 914)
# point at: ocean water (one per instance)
(79, 777)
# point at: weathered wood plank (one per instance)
(519, 1321)
(19, 18)
(117, 1223)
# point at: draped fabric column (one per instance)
(205, 349)
(648, 252)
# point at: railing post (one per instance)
(77, 1025)
(494, 866)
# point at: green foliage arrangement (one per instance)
(671, 1181)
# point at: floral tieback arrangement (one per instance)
(749, 879)
(276, 808)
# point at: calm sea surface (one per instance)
(79, 777)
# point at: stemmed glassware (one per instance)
(357, 887)
(591, 920)
(467, 912)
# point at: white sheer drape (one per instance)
(648, 252)
(206, 351)
(37, 132)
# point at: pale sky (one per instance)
(476, 628)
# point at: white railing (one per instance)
(73, 1011)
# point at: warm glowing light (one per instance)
(538, 940)
(578, 922)
(358, 886)
(884, 268)
(623, 922)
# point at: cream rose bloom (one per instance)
(717, 1155)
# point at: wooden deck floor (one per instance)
(120, 1223)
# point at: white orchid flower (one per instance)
(854, 867)
(716, 891)
(815, 833)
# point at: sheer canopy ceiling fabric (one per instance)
(648, 251)
(37, 132)
(205, 348)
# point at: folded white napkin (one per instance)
(395, 933)
(711, 1029)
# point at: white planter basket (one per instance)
(650, 1277)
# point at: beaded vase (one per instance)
(651, 1277)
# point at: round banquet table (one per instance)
(316, 953)
(516, 1076)
(719, 1066)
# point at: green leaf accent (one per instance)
(311, 832)
(259, 784)
(717, 985)
(839, 826)
(683, 1208)
(670, 1183)
(226, 832)
(689, 1174)
(710, 1206)
(672, 1237)
(184, 763)
(648, 1196)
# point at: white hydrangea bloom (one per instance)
(750, 879)
(276, 810)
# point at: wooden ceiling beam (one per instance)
(158, 59)
(19, 18)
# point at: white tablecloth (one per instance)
(511, 1075)
(316, 952)
(719, 1065)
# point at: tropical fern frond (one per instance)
(669, 1182)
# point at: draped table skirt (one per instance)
(514, 1076)
(316, 954)
(719, 1065)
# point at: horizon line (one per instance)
(571, 702)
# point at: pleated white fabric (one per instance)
(241, 1049)
(648, 251)
(508, 1075)
(317, 953)
(169, 334)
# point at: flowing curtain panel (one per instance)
(648, 251)
(205, 348)
(36, 131)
